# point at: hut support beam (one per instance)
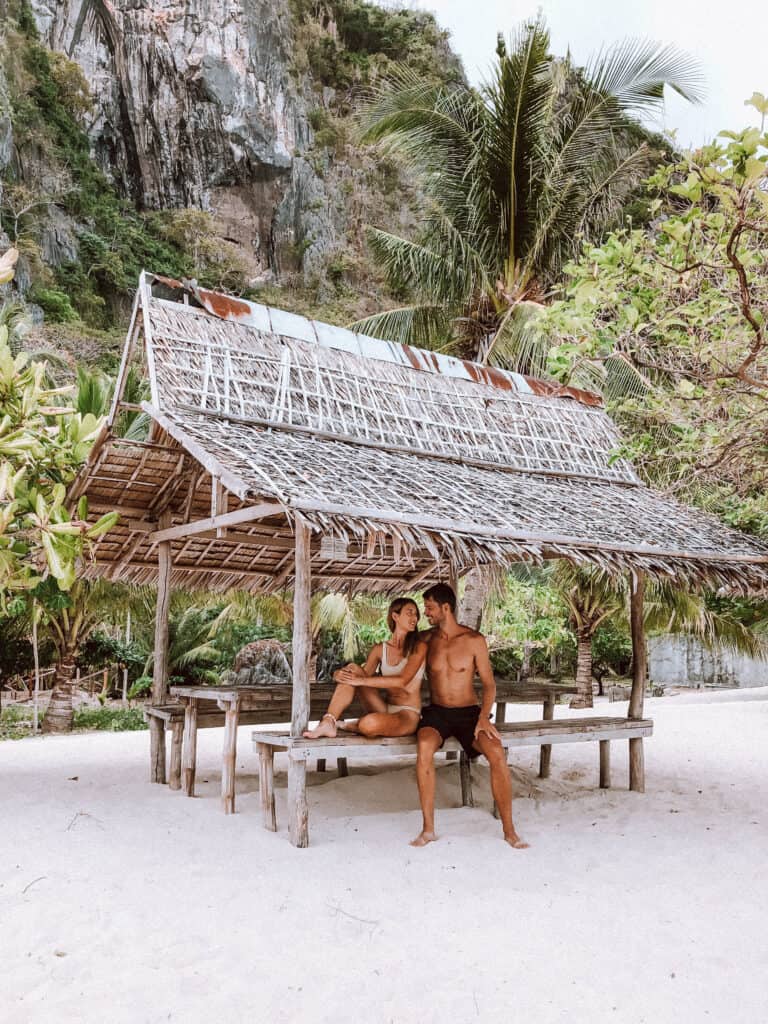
(160, 666)
(298, 823)
(639, 663)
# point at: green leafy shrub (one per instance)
(141, 688)
(110, 719)
(55, 304)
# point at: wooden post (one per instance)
(465, 775)
(636, 759)
(190, 745)
(605, 764)
(267, 785)
(545, 755)
(174, 777)
(298, 813)
(231, 716)
(160, 669)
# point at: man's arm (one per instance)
(484, 670)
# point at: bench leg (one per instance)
(501, 712)
(231, 716)
(177, 732)
(545, 757)
(321, 764)
(451, 755)
(342, 768)
(605, 764)
(189, 754)
(298, 811)
(157, 749)
(636, 765)
(267, 785)
(467, 799)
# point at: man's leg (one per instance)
(501, 785)
(428, 742)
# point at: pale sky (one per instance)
(730, 40)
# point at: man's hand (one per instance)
(485, 725)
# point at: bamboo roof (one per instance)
(407, 464)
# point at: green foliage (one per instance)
(109, 719)
(367, 37)
(41, 448)
(670, 323)
(55, 304)
(142, 687)
(15, 722)
(514, 174)
(100, 650)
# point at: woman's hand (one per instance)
(352, 675)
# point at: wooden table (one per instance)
(544, 692)
(208, 706)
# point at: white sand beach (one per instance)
(121, 901)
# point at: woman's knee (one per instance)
(367, 726)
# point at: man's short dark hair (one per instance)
(441, 593)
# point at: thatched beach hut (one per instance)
(284, 452)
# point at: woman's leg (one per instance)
(401, 723)
(342, 697)
(371, 700)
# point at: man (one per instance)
(454, 655)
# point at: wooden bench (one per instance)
(514, 734)
(204, 707)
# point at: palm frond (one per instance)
(635, 72)
(424, 326)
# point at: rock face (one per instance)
(195, 106)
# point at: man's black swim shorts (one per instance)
(458, 722)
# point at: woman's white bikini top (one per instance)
(395, 670)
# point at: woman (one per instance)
(400, 661)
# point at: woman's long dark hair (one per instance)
(412, 638)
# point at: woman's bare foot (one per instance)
(325, 727)
(515, 841)
(423, 838)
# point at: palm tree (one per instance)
(191, 647)
(594, 596)
(67, 620)
(515, 174)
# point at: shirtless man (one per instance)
(454, 655)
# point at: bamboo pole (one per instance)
(36, 655)
(125, 668)
(636, 757)
(298, 815)
(160, 667)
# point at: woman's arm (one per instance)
(355, 675)
(398, 682)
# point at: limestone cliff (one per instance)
(202, 103)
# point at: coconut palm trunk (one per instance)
(583, 668)
(58, 717)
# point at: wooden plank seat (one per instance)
(601, 729)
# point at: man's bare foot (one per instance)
(515, 841)
(325, 727)
(423, 838)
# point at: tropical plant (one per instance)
(682, 307)
(514, 174)
(595, 597)
(68, 619)
(191, 650)
(42, 444)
